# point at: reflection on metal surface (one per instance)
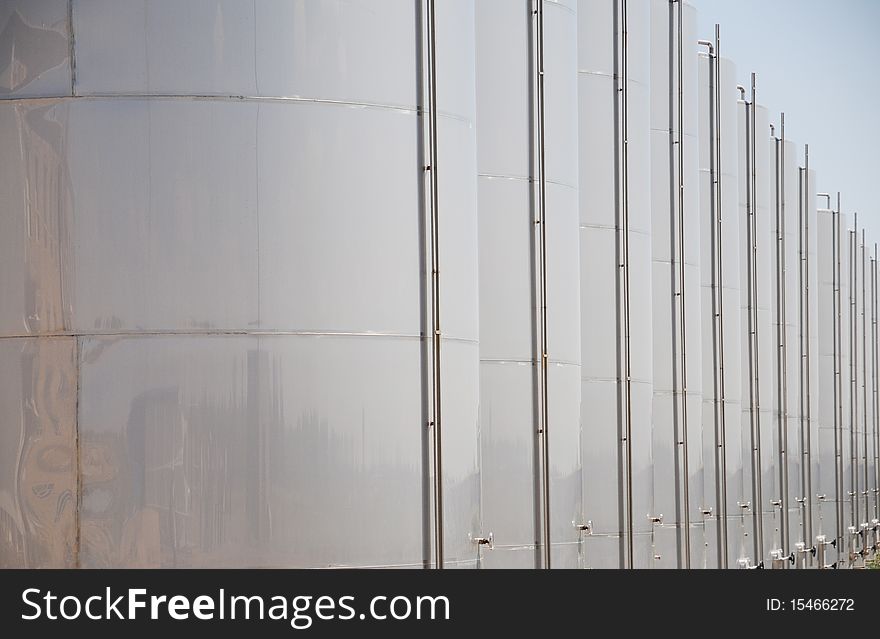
(34, 48)
(38, 453)
(236, 237)
(249, 347)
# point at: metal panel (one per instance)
(35, 59)
(35, 191)
(38, 453)
(271, 48)
(206, 451)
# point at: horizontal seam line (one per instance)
(524, 178)
(207, 97)
(230, 332)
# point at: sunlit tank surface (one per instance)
(614, 190)
(509, 148)
(212, 267)
(676, 296)
(721, 241)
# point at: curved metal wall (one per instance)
(196, 271)
(676, 294)
(510, 273)
(613, 195)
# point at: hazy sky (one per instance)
(816, 60)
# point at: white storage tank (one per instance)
(514, 133)
(728, 534)
(215, 267)
(676, 293)
(616, 309)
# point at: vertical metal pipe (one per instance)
(715, 214)
(782, 347)
(623, 248)
(875, 385)
(838, 374)
(719, 174)
(807, 486)
(682, 308)
(802, 349)
(542, 280)
(853, 381)
(864, 336)
(437, 442)
(754, 367)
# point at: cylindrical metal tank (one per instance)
(218, 308)
(757, 327)
(784, 195)
(616, 310)
(728, 529)
(514, 192)
(677, 445)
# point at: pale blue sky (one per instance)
(816, 60)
